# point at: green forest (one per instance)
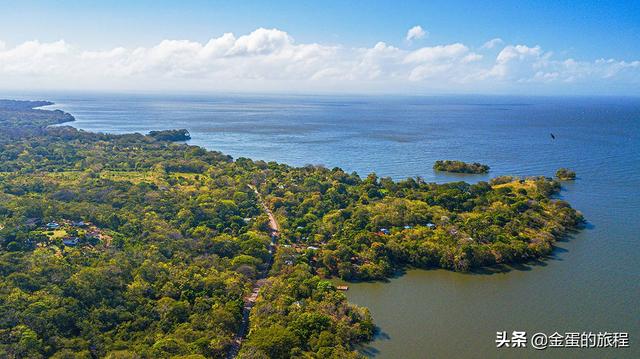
(133, 246)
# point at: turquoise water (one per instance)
(590, 283)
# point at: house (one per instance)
(384, 231)
(431, 225)
(31, 222)
(70, 241)
(313, 248)
(92, 235)
(78, 224)
(407, 227)
(53, 225)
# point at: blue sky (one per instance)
(585, 32)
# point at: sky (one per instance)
(407, 47)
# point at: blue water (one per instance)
(591, 283)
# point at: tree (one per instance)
(276, 341)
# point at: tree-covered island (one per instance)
(460, 167)
(130, 246)
(565, 174)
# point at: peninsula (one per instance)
(134, 246)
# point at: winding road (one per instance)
(250, 300)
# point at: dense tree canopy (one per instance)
(460, 167)
(171, 135)
(565, 174)
(368, 228)
(130, 246)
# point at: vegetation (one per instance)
(369, 228)
(171, 135)
(131, 246)
(298, 313)
(21, 118)
(460, 167)
(565, 174)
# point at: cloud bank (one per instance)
(271, 60)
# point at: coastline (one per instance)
(556, 265)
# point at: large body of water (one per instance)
(592, 281)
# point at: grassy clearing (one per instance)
(56, 234)
(517, 184)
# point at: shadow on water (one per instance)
(395, 275)
(368, 350)
(557, 252)
(381, 335)
(398, 273)
(506, 268)
(556, 255)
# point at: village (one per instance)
(69, 233)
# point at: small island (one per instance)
(565, 174)
(171, 135)
(460, 167)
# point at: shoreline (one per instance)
(403, 268)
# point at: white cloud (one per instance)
(472, 57)
(493, 43)
(33, 57)
(261, 41)
(610, 68)
(516, 61)
(270, 59)
(416, 33)
(444, 62)
(436, 53)
(524, 64)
